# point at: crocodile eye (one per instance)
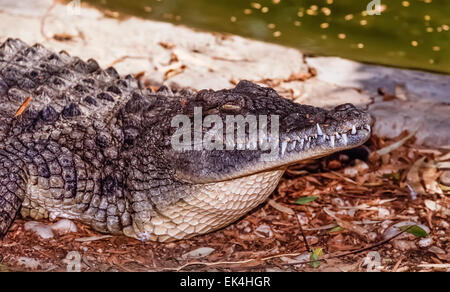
(231, 107)
(344, 107)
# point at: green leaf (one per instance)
(414, 230)
(336, 229)
(314, 257)
(305, 200)
(444, 188)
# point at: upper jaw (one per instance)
(297, 146)
(299, 138)
(321, 139)
(317, 140)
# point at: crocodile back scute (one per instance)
(58, 85)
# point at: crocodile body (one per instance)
(83, 143)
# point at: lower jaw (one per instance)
(210, 207)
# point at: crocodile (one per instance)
(84, 143)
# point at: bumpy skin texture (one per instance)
(76, 142)
(95, 147)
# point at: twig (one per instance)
(344, 178)
(123, 58)
(92, 238)
(293, 254)
(397, 265)
(436, 266)
(231, 263)
(353, 251)
(289, 211)
(23, 107)
(208, 264)
(393, 146)
(303, 235)
(47, 13)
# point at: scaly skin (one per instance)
(95, 147)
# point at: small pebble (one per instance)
(338, 202)
(383, 212)
(42, 230)
(198, 253)
(361, 166)
(425, 242)
(404, 245)
(64, 226)
(303, 219)
(351, 172)
(445, 178)
(264, 231)
(46, 231)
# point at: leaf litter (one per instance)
(345, 223)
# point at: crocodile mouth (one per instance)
(290, 147)
(312, 144)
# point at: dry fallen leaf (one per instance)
(413, 177)
(173, 72)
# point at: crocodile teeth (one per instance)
(293, 144)
(302, 141)
(319, 130)
(283, 147)
(368, 127)
(353, 130)
(332, 141)
(337, 135)
(344, 137)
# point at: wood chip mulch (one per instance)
(360, 195)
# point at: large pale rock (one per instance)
(417, 85)
(421, 100)
(323, 94)
(203, 60)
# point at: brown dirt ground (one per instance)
(355, 187)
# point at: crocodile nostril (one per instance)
(344, 107)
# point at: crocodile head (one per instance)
(228, 149)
